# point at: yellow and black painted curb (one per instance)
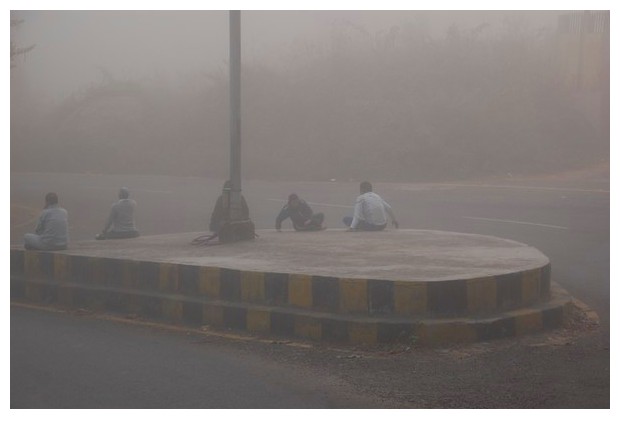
(310, 292)
(290, 322)
(319, 308)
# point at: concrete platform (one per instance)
(407, 255)
(363, 287)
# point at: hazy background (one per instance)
(378, 95)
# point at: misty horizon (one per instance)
(77, 48)
(402, 95)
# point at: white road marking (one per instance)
(315, 204)
(531, 188)
(516, 221)
(132, 190)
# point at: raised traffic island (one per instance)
(419, 286)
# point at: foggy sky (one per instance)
(423, 95)
(75, 48)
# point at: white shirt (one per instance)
(121, 216)
(53, 226)
(371, 208)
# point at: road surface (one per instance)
(64, 360)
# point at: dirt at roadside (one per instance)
(549, 370)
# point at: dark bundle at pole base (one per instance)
(228, 233)
(240, 230)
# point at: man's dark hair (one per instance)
(365, 187)
(51, 198)
(123, 193)
(292, 197)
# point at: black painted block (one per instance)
(381, 296)
(18, 288)
(150, 306)
(545, 281)
(395, 333)
(113, 272)
(282, 324)
(334, 330)
(509, 291)
(189, 279)
(17, 262)
(46, 264)
(89, 298)
(325, 293)
(276, 288)
(80, 269)
(192, 313)
(447, 297)
(230, 284)
(115, 301)
(149, 276)
(235, 317)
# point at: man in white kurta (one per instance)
(370, 212)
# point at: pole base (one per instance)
(237, 231)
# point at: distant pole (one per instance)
(235, 114)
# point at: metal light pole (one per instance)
(235, 113)
(237, 226)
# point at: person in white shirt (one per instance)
(52, 229)
(370, 212)
(120, 222)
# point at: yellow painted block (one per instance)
(213, 315)
(62, 267)
(96, 270)
(31, 264)
(353, 295)
(449, 332)
(168, 277)
(172, 310)
(410, 298)
(258, 320)
(481, 294)
(130, 274)
(252, 286)
(308, 327)
(362, 333)
(210, 281)
(300, 290)
(530, 286)
(527, 322)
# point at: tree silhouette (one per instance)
(16, 50)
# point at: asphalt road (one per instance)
(68, 360)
